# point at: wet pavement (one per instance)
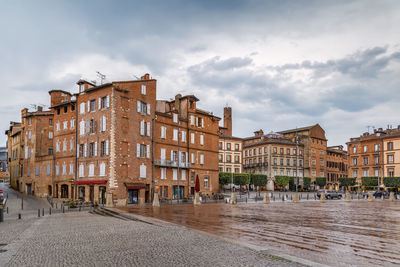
(336, 233)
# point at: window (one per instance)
(81, 170)
(71, 145)
(314, 162)
(192, 138)
(376, 160)
(275, 150)
(202, 140)
(321, 162)
(183, 136)
(103, 123)
(163, 173)
(91, 170)
(237, 169)
(365, 173)
(377, 147)
(57, 146)
(390, 159)
(51, 122)
(48, 169)
(191, 120)
(183, 175)
(142, 150)
(174, 174)
(143, 107)
(228, 145)
(206, 180)
(219, 157)
(354, 161)
(72, 123)
(288, 151)
(102, 169)
(355, 173)
(175, 135)
(57, 170)
(236, 147)
(144, 128)
(228, 158)
(50, 151)
(391, 172)
(37, 170)
(143, 89)
(199, 122)
(275, 161)
(105, 102)
(82, 108)
(163, 132)
(390, 146)
(104, 148)
(64, 145)
(65, 125)
(50, 135)
(201, 159)
(220, 146)
(365, 149)
(64, 169)
(237, 159)
(354, 150)
(29, 121)
(281, 161)
(175, 117)
(71, 168)
(287, 162)
(193, 160)
(365, 160)
(376, 172)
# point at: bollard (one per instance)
(43, 212)
(49, 211)
(38, 213)
(1, 215)
(80, 207)
(283, 198)
(22, 203)
(56, 206)
(291, 197)
(63, 211)
(246, 199)
(19, 216)
(279, 195)
(274, 198)
(7, 210)
(307, 196)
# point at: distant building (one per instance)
(230, 147)
(336, 165)
(3, 165)
(15, 140)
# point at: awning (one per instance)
(135, 186)
(91, 182)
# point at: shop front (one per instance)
(93, 191)
(138, 193)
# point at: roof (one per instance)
(272, 141)
(97, 87)
(191, 97)
(63, 104)
(58, 90)
(221, 136)
(299, 129)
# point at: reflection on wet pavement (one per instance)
(335, 233)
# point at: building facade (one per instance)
(272, 155)
(105, 145)
(15, 153)
(314, 143)
(230, 147)
(336, 164)
(4, 176)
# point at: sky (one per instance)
(278, 64)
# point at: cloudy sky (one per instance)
(279, 64)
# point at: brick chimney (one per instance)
(259, 133)
(228, 120)
(145, 77)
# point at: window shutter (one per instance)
(148, 151)
(82, 127)
(197, 121)
(148, 129)
(172, 155)
(88, 106)
(105, 123)
(95, 149)
(192, 138)
(162, 153)
(107, 148)
(148, 109)
(187, 157)
(138, 150)
(191, 120)
(99, 103)
(108, 101)
(77, 150)
(84, 150)
(138, 106)
(141, 127)
(202, 123)
(183, 136)
(87, 124)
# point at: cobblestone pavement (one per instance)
(85, 239)
(336, 233)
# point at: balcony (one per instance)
(171, 163)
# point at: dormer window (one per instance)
(191, 104)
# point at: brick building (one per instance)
(230, 147)
(315, 143)
(99, 145)
(336, 165)
(185, 148)
(272, 154)
(15, 153)
(4, 176)
(375, 154)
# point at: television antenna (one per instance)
(370, 126)
(101, 76)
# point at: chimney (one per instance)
(259, 133)
(178, 104)
(228, 120)
(40, 108)
(145, 77)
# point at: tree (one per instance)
(346, 182)
(392, 181)
(282, 180)
(225, 178)
(241, 178)
(369, 181)
(306, 182)
(292, 183)
(320, 181)
(258, 179)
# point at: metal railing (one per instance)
(171, 163)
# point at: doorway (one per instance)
(133, 195)
(64, 191)
(102, 195)
(91, 193)
(29, 189)
(82, 193)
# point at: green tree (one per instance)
(306, 182)
(241, 178)
(282, 180)
(320, 181)
(346, 182)
(258, 179)
(225, 178)
(392, 181)
(369, 181)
